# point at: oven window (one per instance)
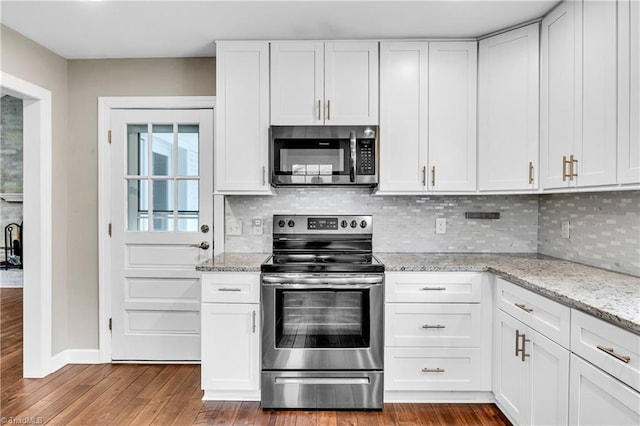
(322, 319)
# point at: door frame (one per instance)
(105, 106)
(37, 213)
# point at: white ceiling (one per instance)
(146, 29)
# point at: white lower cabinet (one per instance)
(437, 337)
(230, 336)
(531, 374)
(598, 399)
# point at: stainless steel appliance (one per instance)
(324, 155)
(322, 303)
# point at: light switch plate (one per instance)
(566, 225)
(441, 225)
(256, 226)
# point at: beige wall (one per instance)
(88, 80)
(31, 62)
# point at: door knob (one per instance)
(203, 245)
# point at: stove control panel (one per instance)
(309, 224)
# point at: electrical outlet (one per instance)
(566, 225)
(256, 226)
(441, 225)
(233, 227)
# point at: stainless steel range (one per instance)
(322, 301)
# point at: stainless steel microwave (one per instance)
(324, 155)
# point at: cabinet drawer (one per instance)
(432, 325)
(593, 339)
(421, 287)
(538, 312)
(235, 287)
(422, 369)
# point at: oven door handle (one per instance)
(354, 282)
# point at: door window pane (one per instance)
(162, 149)
(163, 205)
(137, 150)
(188, 149)
(138, 205)
(188, 191)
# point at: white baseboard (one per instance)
(235, 395)
(75, 356)
(465, 397)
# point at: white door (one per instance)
(161, 207)
(452, 116)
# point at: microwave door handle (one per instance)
(352, 173)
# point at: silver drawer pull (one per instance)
(229, 289)
(433, 370)
(433, 326)
(433, 288)
(611, 352)
(524, 307)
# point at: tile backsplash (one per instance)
(604, 229)
(401, 223)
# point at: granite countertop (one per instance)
(611, 296)
(234, 262)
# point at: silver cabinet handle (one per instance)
(524, 307)
(433, 326)
(433, 370)
(253, 322)
(433, 288)
(229, 289)
(264, 175)
(522, 350)
(611, 352)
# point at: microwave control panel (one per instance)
(366, 157)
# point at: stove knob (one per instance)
(291, 223)
(281, 223)
(363, 224)
(344, 224)
(354, 223)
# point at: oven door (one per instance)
(322, 322)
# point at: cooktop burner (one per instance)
(322, 243)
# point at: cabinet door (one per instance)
(351, 83)
(403, 116)
(558, 102)
(597, 46)
(509, 372)
(242, 118)
(452, 116)
(508, 110)
(628, 91)
(548, 371)
(297, 83)
(598, 399)
(230, 346)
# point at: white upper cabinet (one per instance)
(557, 94)
(242, 118)
(403, 115)
(508, 110)
(597, 48)
(332, 83)
(582, 115)
(629, 91)
(452, 116)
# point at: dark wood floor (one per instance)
(169, 394)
